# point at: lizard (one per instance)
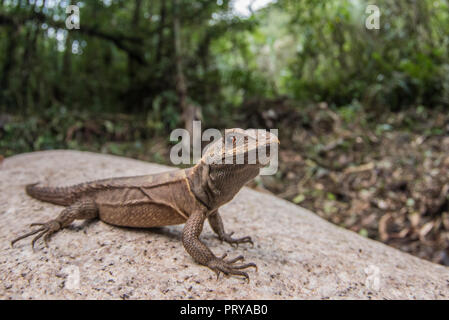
(188, 196)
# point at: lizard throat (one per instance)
(215, 185)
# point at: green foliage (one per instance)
(61, 128)
(122, 59)
(43, 132)
(338, 59)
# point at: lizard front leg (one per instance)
(202, 254)
(217, 225)
(83, 209)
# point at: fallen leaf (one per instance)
(425, 229)
(383, 226)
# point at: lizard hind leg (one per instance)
(82, 209)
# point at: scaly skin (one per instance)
(187, 196)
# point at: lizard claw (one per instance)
(228, 268)
(46, 230)
(235, 241)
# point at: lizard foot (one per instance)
(235, 241)
(46, 230)
(227, 267)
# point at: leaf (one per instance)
(425, 229)
(363, 232)
(109, 126)
(331, 196)
(410, 202)
(299, 198)
(383, 226)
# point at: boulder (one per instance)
(299, 255)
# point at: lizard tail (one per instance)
(56, 195)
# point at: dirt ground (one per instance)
(384, 176)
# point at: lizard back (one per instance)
(67, 195)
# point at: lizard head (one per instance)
(229, 163)
(238, 146)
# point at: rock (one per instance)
(299, 255)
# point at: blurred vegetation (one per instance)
(362, 113)
(122, 59)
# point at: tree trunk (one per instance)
(132, 67)
(160, 39)
(27, 67)
(10, 61)
(189, 112)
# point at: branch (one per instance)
(119, 40)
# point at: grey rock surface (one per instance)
(299, 255)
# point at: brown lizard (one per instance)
(187, 196)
